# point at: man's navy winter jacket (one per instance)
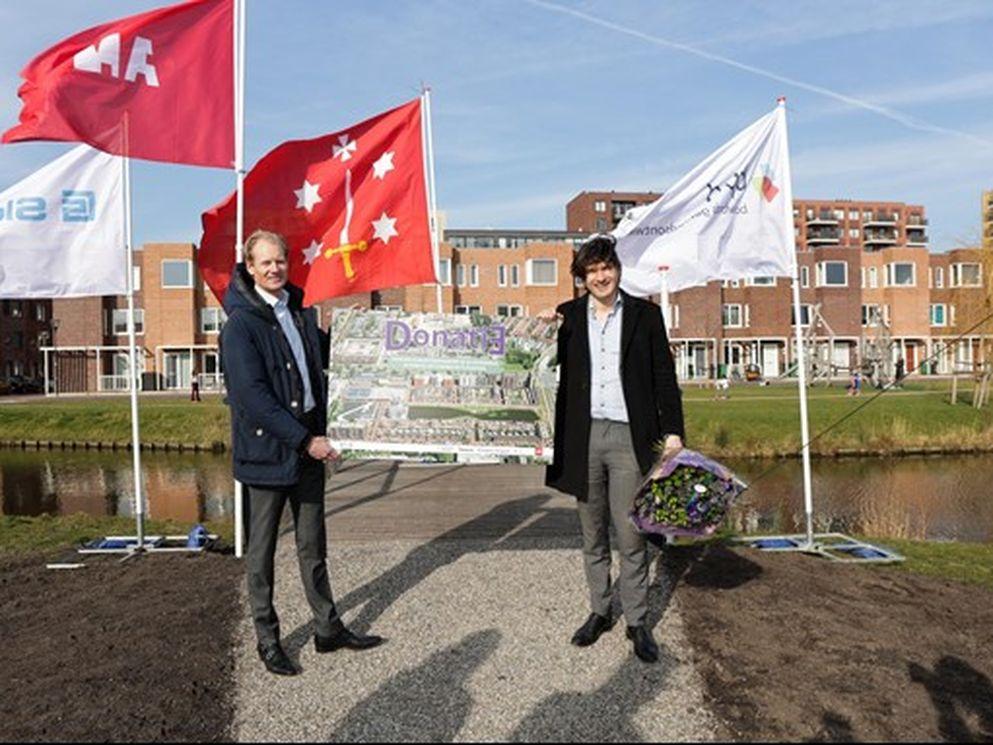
(265, 388)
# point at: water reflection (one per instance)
(945, 498)
(940, 498)
(182, 487)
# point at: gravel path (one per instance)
(478, 649)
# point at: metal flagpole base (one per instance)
(834, 546)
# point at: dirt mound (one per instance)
(795, 648)
(136, 651)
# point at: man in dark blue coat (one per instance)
(274, 358)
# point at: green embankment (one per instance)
(755, 421)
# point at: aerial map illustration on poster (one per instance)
(441, 387)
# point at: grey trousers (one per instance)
(265, 507)
(614, 476)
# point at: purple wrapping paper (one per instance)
(664, 466)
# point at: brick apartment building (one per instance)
(986, 208)
(864, 270)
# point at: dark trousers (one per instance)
(306, 499)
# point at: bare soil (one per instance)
(793, 647)
(139, 651)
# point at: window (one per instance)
(733, 283)
(599, 206)
(951, 315)
(748, 315)
(119, 321)
(601, 223)
(810, 213)
(853, 214)
(853, 232)
(839, 214)
(474, 275)
(502, 275)
(832, 273)
(177, 274)
(873, 277)
(871, 316)
(542, 271)
(211, 320)
(862, 273)
(136, 278)
(804, 316)
(460, 275)
(39, 312)
(467, 309)
(731, 315)
(966, 275)
(761, 281)
(16, 309)
(674, 315)
(445, 271)
(900, 274)
(515, 275)
(18, 340)
(939, 276)
(805, 276)
(937, 314)
(511, 311)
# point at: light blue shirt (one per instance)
(280, 307)
(607, 393)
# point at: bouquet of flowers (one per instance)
(686, 494)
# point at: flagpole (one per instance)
(433, 204)
(139, 500)
(239, 167)
(808, 496)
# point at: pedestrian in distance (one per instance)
(274, 359)
(617, 397)
(194, 386)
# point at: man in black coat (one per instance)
(274, 357)
(617, 398)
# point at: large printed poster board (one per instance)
(440, 387)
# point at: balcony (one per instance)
(916, 237)
(823, 217)
(823, 236)
(879, 238)
(913, 221)
(879, 219)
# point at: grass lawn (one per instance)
(962, 562)
(46, 534)
(755, 421)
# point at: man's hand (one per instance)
(319, 448)
(549, 316)
(673, 443)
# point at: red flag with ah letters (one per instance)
(158, 86)
(351, 205)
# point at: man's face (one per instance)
(268, 266)
(601, 280)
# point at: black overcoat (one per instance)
(648, 378)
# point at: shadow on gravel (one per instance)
(428, 703)
(604, 715)
(962, 697)
(512, 525)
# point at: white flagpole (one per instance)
(239, 168)
(808, 496)
(432, 199)
(664, 298)
(139, 498)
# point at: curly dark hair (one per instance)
(594, 250)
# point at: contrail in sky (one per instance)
(908, 121)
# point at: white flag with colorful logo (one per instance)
(731, 217)
(62, 229)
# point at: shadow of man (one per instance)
(494, 530)
(606, 714)
(428, 703)
(956, 688)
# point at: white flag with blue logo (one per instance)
(731, 217)
(62, 229)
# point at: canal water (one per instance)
(941, 498)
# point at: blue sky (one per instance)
(537, 100)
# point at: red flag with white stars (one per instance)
(351, 205)
(169, 72)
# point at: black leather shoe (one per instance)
(590, 631)
(644, 645)
(275, 659)
(345, 639)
